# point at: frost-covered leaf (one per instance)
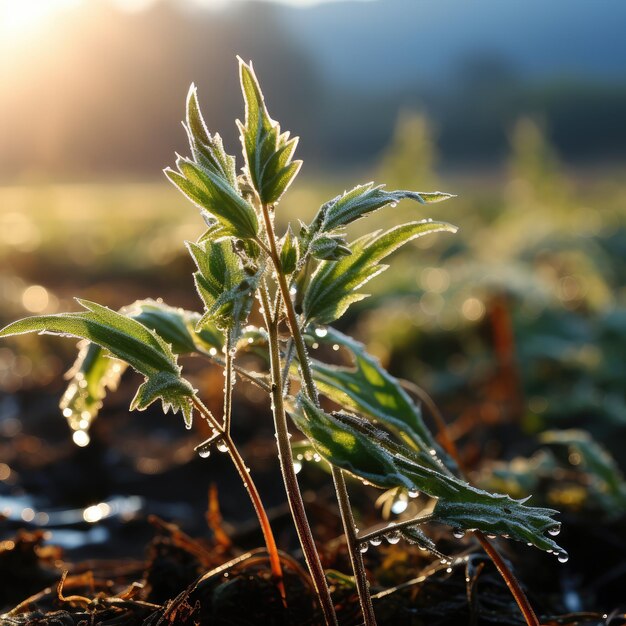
(369, 389)
(334, 284)
(94, 372)
(127, 340)
(355, 445)
(365, 199)
(267, 152)
(289, 252)
(225, 288)
(207, 150)
(214, 194)
(327, 248)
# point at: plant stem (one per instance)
(228, 382)
(259, 509)
(288, 473)
(343, 499)
(398, 525)
(509, 578)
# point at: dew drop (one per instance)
(363, 547)
(297, 467)
(491, 536)
(393, 537)
(80, 438)
(376, 541)
(563, 557)
(449, 570)
(393, 205)
(459, 533)
(321, 332)
(317, 458)
(222, 446)
(554, 531)
(204, 453)
(413, 494)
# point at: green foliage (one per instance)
(225, 288)
(127, 340)
(369, 389)
(333, 287)
(267, 153)
(238, 258)
(361, 201)
(368, 452)
(289, 252)
(605, 480)
(213, 193)
(94, 372)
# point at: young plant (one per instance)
(304, 281)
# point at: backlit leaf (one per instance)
(334, 284)
(355, 445)
(267, 152)
(365, 199)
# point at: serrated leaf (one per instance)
(355, 445)
(212, 193)
(365, 199)
(333, 285)
(207, 150)
(126, 339)
(369, 389)
(267, 152)
(226, 290)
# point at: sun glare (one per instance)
(22, 17)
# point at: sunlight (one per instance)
(24, 17)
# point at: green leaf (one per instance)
(225, 288)
(207, 150)
(328, 248)
(127, 340)
(176, 326)
(369, 389)
(94, 372)
(289, 252)
(333, 285)
(355, 445)
(267, 152)
(365, 199)
(213, 193)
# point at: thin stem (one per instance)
(228, 382)
(292, 488)
(398, 525)
(259, 509)
(509, 578)
(343, 499)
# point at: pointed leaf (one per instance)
(365, 199)
(125, 338)
(360, 448)
(207, 150)
(226, 290)
(333, 286)
(369, 389)
(214, 194)
(267, 153)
